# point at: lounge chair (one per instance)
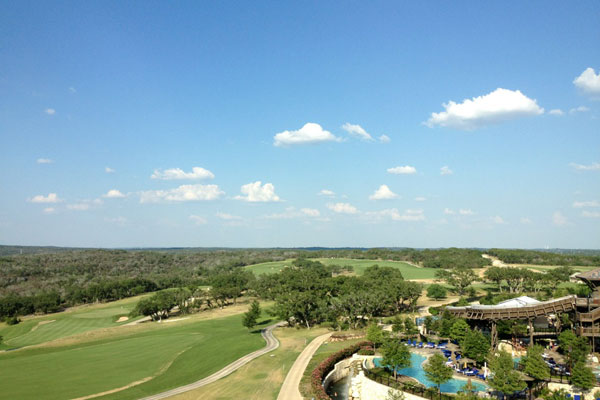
(577, 397)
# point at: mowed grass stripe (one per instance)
(191, 351)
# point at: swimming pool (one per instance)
(416, 371)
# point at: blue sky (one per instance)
(300, 124)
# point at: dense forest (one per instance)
(516, 256)
(39, 281)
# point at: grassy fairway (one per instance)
(408, 271)
(268, 267)
(166, 355)
(262, 378)
(36, 330)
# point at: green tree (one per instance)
(505, 379)
(251, 316)
(459, 330)
(397, 324)
(435, 291)
(375, 335)
(475, 345)
(437, 371)
(409, 326)
(535, 366)
(459, 277)
(396, 355)
(467, 392)
(582, 377)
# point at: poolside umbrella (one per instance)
(466, 361)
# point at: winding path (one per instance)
(272, 344)
(289, 389)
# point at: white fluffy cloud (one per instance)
(445, 170)
(113, 194)
(579, 109)
(198, 220)
(357, 131)
(257, 192)
(556, 111)
(310, 133)
(588, 81)
(311, 212)
(420, 198)
(558, 219)
(448, 211)
(384, 139)
(590, 214)
(466, 211)
(44, 161)
(109, 170)
(525, 220)
(178, 173)
(402, 170)
(582, 204)
(49, 210)
(595, 166)
(395, 215)
(182, 193)
(326, 192)
(342, 208)
(383, 193)
(228, 217)
(51, 198)
(497, 106)
(50, 111)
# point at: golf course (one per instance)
(118, 362)
(408, 271)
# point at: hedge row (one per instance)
(328, 364)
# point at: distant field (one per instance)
(268, 267)
(166, 355)
(36, 330)
(408, 271)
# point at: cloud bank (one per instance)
(497, 106)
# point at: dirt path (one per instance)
(289, 389)
(272, 344)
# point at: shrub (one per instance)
(13, 320)
(319, 373)
(366, 351)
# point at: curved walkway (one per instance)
(289, 389)
(272, 344)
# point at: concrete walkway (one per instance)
(272, 344)
(289, 389)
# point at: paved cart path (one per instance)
(289, 389)
(272, 344)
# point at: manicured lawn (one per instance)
(173, 354)
(408, 271)
(268, 267)
(36, 330)
(262, 378)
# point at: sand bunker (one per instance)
(122, 319)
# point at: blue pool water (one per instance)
(416, 371)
